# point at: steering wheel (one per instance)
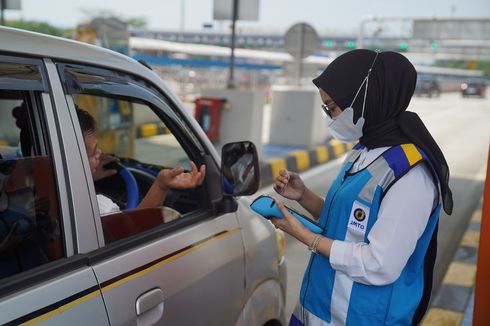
(132, 191)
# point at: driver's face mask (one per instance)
(342, 127)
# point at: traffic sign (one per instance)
(301, 40)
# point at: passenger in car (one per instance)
(166, 179)
(26, 229)
(20, 115)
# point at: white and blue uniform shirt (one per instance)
(332, 295)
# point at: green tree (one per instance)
(485, 66)
(35, 26)
(137, 22)
(463, 64)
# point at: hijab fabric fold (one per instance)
(387, 123)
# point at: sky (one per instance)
(274, 15)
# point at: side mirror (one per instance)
(240, 168)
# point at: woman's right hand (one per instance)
(289, 185)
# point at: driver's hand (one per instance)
(178, 179)
(100, 171)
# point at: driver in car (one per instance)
(166, 179)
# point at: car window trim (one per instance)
(176, 122)
(21, 84)
(152, 95)
(64, 196)
(92, 193)
(40, 143)
(40, 102)
(61, 120)
(41, 274)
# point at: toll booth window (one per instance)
(30, 225)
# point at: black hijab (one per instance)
(387, 123)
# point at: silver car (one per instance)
(202, 258)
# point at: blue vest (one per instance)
(328, 297)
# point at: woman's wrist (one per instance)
(313, 247)
(306, 236)
(304, 196)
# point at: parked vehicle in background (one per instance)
(202, 258)
(427, 85)
(474, 87)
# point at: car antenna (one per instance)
(143, 62)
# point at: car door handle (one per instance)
(150, 303)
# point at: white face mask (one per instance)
(342, 127)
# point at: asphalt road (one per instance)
(462, 129)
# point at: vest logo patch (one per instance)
(358, 218)
(359, 214)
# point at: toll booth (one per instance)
(208, 115)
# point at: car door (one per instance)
(44, 277)
(177, 264)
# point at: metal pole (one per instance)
(301, 54)
(2, 20)
(360, 36)
(231, 82)
(182, 19)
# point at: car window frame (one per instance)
(165, 109)
(43, 127)
(15, 83)
(155, 98)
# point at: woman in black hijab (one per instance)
(391, 88)
(374, 260)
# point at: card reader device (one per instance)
(267, 207)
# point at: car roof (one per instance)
(46, 46)
(42, 45)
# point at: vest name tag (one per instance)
(358, 220)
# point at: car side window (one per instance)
(137, 135)
(30, 224)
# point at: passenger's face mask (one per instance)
(343, 127)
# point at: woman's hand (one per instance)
(289, 185)
(178, 179)
(295, 228)
(289, 223)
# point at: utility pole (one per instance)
(231, 81)
(182, 19)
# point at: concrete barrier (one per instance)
(151, 129)
(301, 160)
